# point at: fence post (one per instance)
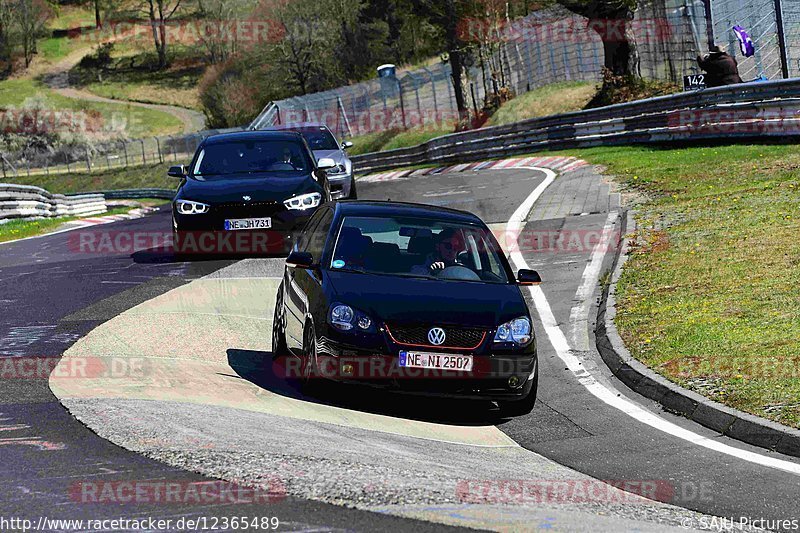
(108, 161)
(781, 39)
(144, 160)
(28, 168)
(402, 103)
(125, 147)
(174, 154)
(88, 161)
(433, 90)
(344, 115)
(186, 145)
(66, 157)
(158, 147)
(4, 166)
(47, 167)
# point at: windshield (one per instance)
(418, 247)
(319, 139)
(244, 157)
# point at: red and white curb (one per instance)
(130, 215)
(88, 222)
(561, 164)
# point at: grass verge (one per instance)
(710, 297)
(119, 178)
(548, 100)
(20, 229)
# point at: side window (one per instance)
(316, 244)
(308, 231)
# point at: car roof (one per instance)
(296, 126)
(404, 209)
(253, 135)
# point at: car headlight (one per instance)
(346, 318)
(517, 331)
(304, 201)
(337, 170)
(187, 207)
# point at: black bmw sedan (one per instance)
(247, 193)
(410, 297)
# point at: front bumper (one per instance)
(495, 375)
(206, 233)
(340, 186)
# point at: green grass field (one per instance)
(711, 295)
(135, 121)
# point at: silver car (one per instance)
(325, 145)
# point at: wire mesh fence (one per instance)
(547, 47)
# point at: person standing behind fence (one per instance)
(720, 67)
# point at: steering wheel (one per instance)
(458, 272)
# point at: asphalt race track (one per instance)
(189, 398)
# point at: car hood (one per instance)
(395, 299)
(336, 155)
(260, 188)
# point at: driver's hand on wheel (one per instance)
(438, 265)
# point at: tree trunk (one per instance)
(454, 51)
(619, 49)
(97, 21)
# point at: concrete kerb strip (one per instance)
(730, 422)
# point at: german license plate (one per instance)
(439, 361)
(248, 223)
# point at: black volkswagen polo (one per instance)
(416, 298)
(247, 192)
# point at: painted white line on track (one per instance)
(579, 316)
(597, 389)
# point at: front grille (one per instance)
(455, 337)
(246, 209)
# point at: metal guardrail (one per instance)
(747, 110)
(25, 201)
(132, 194)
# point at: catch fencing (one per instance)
(24, 201)
(745, 111)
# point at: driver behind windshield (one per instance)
(449, 243)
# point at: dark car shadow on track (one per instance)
(167, 255)
(259, 368)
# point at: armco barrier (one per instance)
(119, 194)
(748, 110)
(25, 201)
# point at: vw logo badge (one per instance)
(436, 336)
(246, 198)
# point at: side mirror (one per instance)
(300, 260)
(346, 145)
(326, 163)
(177, 171)
(528, 277)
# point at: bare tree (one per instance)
(31, 18)
(160, 12)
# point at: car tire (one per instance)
(177, 246)
(509, 409)
(279, 347)
(309, 380)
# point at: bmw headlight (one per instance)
(345, 318)
(304, 201)
(187, 207)
(517, 331)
